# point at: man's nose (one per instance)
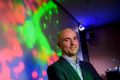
(72, 42)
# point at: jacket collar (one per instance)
(70, 70)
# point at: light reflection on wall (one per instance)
(25, 51)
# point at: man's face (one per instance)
(68, 42)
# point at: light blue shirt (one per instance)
(75, 65)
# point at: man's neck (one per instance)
(73, 57)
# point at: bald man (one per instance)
(68, 67)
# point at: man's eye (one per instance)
(66, 39)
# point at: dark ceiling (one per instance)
(93, 13)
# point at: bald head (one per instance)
(65, 32)
(68, 41)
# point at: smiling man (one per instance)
(68, 42)
(68, 67)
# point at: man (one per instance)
(68, 67)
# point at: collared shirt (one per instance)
(75, 65)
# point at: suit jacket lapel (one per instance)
(69, 68)
(85, 72)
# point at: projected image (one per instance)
(27, 44)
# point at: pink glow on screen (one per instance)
(41, 79)
(17, 70)
(44, 73)
(52, 59)
(5, 72)
(9, 52)
(12, 49)
(34, 74)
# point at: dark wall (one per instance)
(104, 47)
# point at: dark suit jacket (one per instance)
(62, 70)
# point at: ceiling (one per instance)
(93, 13)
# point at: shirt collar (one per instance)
(69, 59)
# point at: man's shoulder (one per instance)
(55, 64)
(85, 63)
